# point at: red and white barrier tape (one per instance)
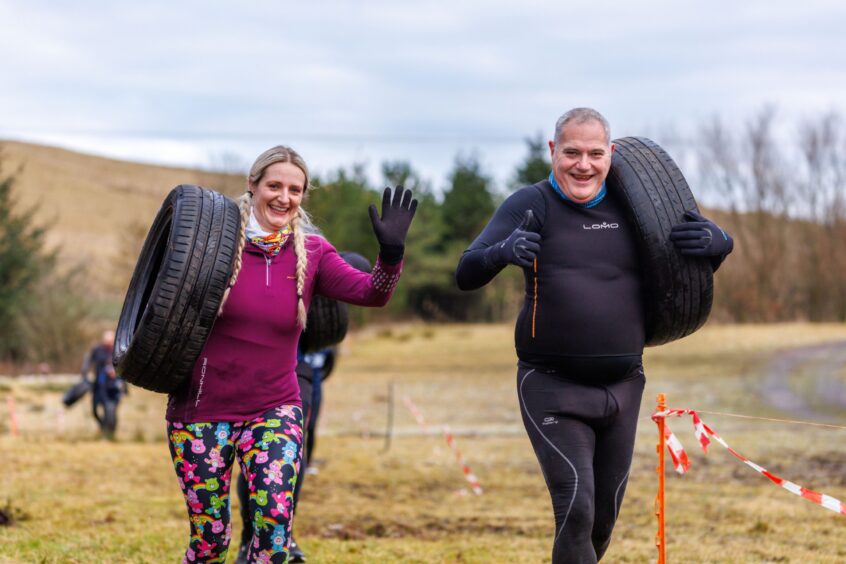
(416, 413)
(703, 432)
(468, 475)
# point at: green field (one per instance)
(77, 498)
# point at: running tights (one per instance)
(269, 450)
(583, 436)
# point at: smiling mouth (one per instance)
(582, 177)
(278, 209)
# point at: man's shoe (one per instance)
(295, 553)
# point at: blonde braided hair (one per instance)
(301, 224)
(302, 264)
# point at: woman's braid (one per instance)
(302, 265)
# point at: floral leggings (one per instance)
(269, 450)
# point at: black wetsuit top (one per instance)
(579, 337)
(583, 311)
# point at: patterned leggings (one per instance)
(269, 450)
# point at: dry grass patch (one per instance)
(89, 202)
(86, 500)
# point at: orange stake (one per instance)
(660, 539)
(13, 417)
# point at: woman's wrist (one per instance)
(391, 254)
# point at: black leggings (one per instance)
(583, 436)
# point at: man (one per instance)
(580, 334)
(106, 387)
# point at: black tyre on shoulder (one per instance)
(327, 324)
(176, 288)
(329, 320)
(679, 289)
(328, 365)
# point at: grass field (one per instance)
(77, 498)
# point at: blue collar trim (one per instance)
(596, 199)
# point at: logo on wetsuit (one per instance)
(549, 421)
(603, 225)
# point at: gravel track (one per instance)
(823, 364)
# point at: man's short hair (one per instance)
(582, 115)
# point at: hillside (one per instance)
(92, 205)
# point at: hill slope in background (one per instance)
(93, 205)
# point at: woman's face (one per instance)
(277, 195)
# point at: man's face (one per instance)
(581, 159)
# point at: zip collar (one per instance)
(587, 205)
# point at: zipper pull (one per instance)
(267, 271)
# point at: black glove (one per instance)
(519, 248)
(392, 228)
(700, 237)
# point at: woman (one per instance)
(243, 399)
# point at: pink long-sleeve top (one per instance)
(248, 363)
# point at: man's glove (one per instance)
(392, 227)
(520, 248)
(700, 237)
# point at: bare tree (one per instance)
(746, 172)
(786, 208)
(823, 258)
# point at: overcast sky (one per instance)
(342, 82)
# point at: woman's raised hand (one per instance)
(392, 228)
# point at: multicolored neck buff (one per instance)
(596, 199)
(270, 243)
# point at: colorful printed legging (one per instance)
(269, 450)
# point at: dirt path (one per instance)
(822, 363)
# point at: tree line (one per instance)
(782, 190)
(777, 187)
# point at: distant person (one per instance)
(243, 400)
(106, 388)
(581, 332)
(312, 369)
(322, 363)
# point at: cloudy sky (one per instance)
(189, 82)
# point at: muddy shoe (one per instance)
(296, 554)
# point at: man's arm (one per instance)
(510, 237)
